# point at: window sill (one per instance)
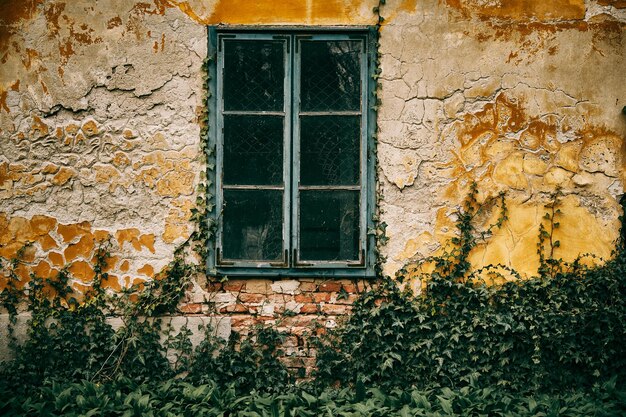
(367, 273)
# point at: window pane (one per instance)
(253, 224)
(330, 150)
(329, 225)
(331, 75)
(254, 74)
(253, 150)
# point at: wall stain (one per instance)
(114, 22)
(12, 13)
(618, 4)
(520, 10)
(3, 101)
(244, 12)
(52, 13)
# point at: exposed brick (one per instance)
(320, 297)
(330, 286)
(303, 298)
(147, 241)
(302, 330)
(286, 286)
(252, 298)
(101, 235)
(234, 308)
(247, 321)
(41, 225)
(50, 169)
(238, 322)
(281, 298)
(192, 308)
(336, 309)
(128, 235)
(146, 270)
(300, 320)
(9, 251)
(29, 253)
(234, 285)
(42, 269)
(258, 286)
(309, 308)
(308, 286)
(90, 128)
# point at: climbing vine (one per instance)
(547, 334)
(561, 330)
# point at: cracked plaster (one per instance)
(99, 112)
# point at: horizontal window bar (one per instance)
(330, 113)
(253, 187)
(330, 187)
(295, 29)
(319, 271)
(252, 113)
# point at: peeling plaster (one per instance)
(99, 127)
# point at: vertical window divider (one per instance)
(295, 156)
(288, 150)
(363, 209)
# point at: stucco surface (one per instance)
(100, 106)
(523, 98)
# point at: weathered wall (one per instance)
(519, 96)
(99, 133)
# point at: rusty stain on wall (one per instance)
(518, 10)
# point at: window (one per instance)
(294, 171)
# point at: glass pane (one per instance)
(330, 150)
(254, 74)
(329, 225)
(331, 75)
(253, 225)
(253, 150)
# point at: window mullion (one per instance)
(288, 151)
(295, 150)
(364, 151)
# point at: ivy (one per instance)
(560, 330)
(450, 346)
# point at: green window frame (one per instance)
(294, 180)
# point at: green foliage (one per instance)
(70, 341)
(551, 345)
(178, 398)
(162, 295)
(562, 329)
(247, 365)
